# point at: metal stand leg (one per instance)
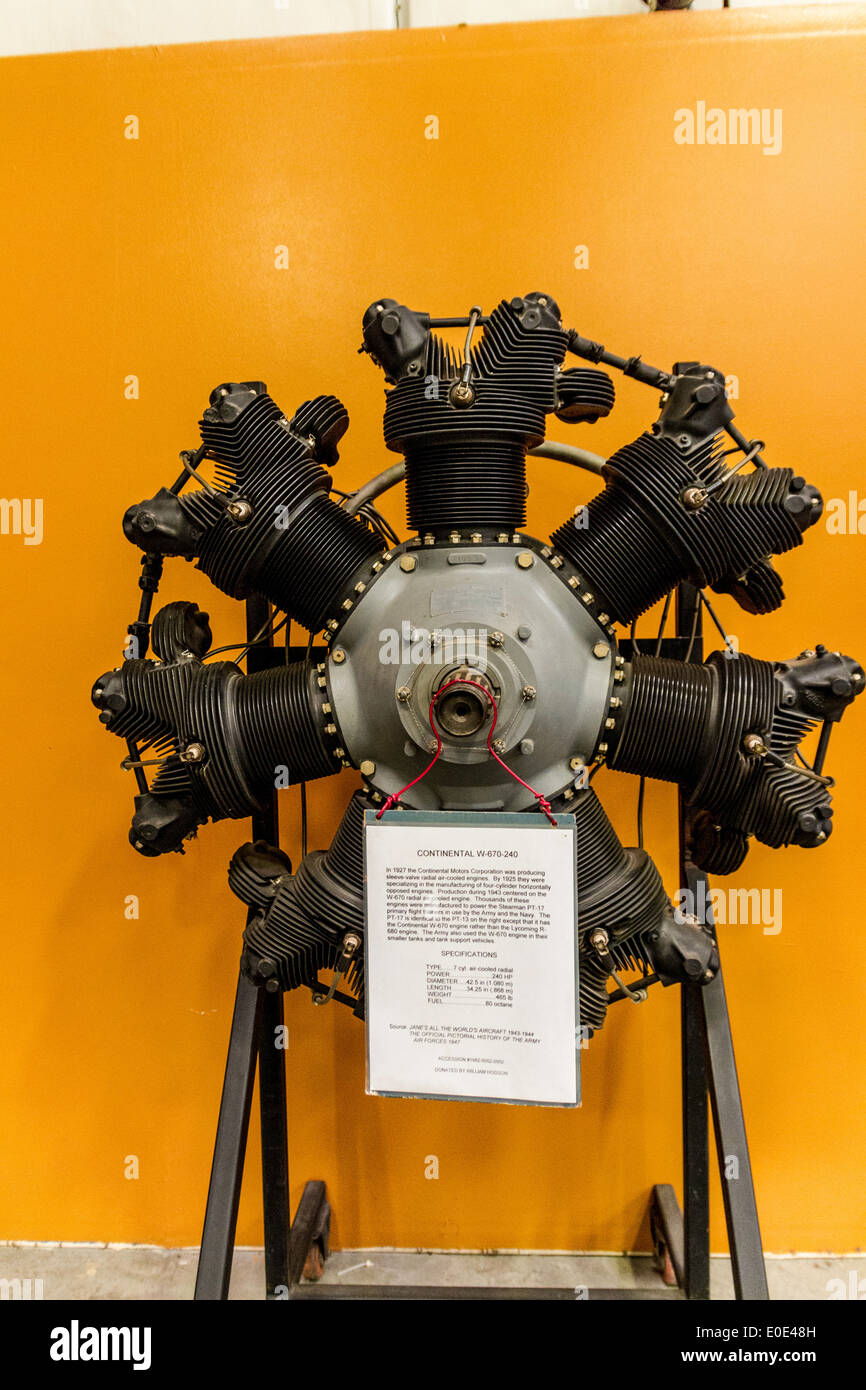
(696, 1156)
(708, 1068)
(271, 1041)
(275, 1145)
(221, 1214)
(735, 1169)
(256, 1034)
(683, 1235)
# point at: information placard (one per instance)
(471, 959)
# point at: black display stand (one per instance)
(681, 1236)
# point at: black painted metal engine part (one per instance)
(465, 427)
(223, 740)
(269, 525)
(672, 510)
(311, 921)
(254, 509)
(622, 906)
(729, 732)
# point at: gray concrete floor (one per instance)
(149, 1272)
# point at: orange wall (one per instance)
(156, 257)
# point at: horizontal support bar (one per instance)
(421, 1292)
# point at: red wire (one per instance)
(392, 800)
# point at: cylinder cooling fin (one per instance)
(502, 652)
(728, 732)
(464, 427)
(222, 741)
(313, 920)
(267, 524)
(669, 514)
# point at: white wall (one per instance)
(49, 26)
(434, 12)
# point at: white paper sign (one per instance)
(471, 967)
